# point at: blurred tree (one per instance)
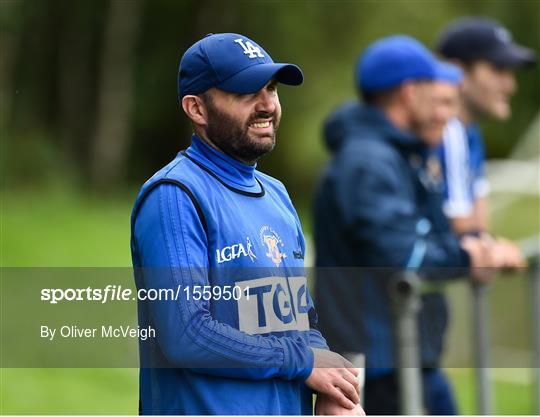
(9, 44)
(80, 30)
(115, 94)
(88, 88)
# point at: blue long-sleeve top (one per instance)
(207, 219)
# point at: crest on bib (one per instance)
(273, 243)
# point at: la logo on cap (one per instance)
(503, 35)
(250, 50)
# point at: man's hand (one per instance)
(327, 406)
(483, 264)
(507, 254)
(334, 376)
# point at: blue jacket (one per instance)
(207, 219)
(378, 210)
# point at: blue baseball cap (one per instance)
(233, 63)
(391, 61)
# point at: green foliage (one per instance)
(67, 41)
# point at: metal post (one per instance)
(530, 248)
(405, 293)
(480, 336)
(535, 293)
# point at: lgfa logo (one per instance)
(271, 239)
(228, 253)
(250, 50)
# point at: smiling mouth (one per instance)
(260, 125)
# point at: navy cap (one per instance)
(233, 63)
(391, 61)
(473, 38)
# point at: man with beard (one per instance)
(240, 335)
(489, 58)
(378, 212)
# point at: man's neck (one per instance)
(202, 136)
(466, 113)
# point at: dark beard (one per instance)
(232, 138)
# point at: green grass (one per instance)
(519, 219)
(62, 228)
(55, 229)
(114, 391)
(510, 398)
(69, 391)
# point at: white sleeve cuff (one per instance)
(454, 209)
(481, 187)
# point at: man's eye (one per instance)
(272, 87)
(241, 97)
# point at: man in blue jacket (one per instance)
(238, 334)
(378, 211)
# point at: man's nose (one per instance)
(266, 101)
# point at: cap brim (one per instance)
(512, 56)
(447, 72)
(255, 77)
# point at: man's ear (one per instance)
(406, 92)
(195, 109)
(460, 64)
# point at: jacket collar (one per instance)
(404, 139)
